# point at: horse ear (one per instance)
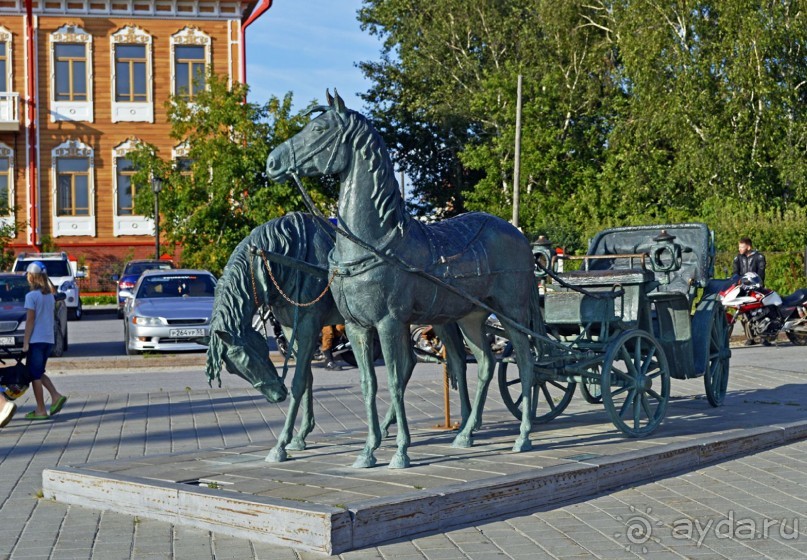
(338, 102)
(329, 98)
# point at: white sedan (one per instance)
(168, 310)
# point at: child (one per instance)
(38, 341)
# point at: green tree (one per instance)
(210, 207)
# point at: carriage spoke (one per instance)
(628, 401)
(620, 391)
(556, 384)
(513, 382)
(637, 412)
(654, 394)
(649, 360)
(548, 396)
(646, 407)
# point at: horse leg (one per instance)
(473, 329)
(305, 349)
(400, 361)
(521, 346)
(307, 422)
(457, 366)
(361, 339)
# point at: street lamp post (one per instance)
(156, 187)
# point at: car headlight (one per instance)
(67, 285)
(147, 321)
(21, 326)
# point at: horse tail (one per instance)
(536, 311)
(215, 348)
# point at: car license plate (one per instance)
(185, 333)
(6, 341)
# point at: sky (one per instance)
(305, 46)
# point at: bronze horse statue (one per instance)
(245, 286)
(386, 265)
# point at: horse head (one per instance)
(249, 359)
(318, 149)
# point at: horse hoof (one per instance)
(462, 441)
(364, 462)
(400, 461)
(276, 455)
(296, 445)
(522, 444)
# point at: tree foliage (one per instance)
(634, 111)
(213, 205)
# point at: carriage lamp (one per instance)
(156, 187)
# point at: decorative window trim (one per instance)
(9, 100)
(126, 225)
(132, 111)
(71, 110)
(10, 218)
(73, 225)
(189, 36)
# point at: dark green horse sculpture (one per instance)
(481, 256)
(245, 286)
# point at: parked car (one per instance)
(61, 273)
(168, 310)
(131, 272)
(13, 287)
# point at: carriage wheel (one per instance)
(591, 389)
(550, 397)
(712, 354)
(635, 383)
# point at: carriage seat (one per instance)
(607, 277)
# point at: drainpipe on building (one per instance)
(256, 13)
(33, 94)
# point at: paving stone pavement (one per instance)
(751, 507)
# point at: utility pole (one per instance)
(517, 158)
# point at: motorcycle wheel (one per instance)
(797, 339)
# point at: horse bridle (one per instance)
(338, 133)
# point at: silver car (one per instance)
(168, 310)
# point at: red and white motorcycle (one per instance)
(767, 312)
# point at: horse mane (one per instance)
(234, 304)
(367, 143)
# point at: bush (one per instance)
(98, 300)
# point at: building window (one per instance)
(126, 188)
(6, 186)
(73, 193)
(71, 74)
(130, 73)
(4, 66)
(124, 220)
(73, 187)
(191, 58)
(131, 76)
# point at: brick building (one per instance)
(81, 81)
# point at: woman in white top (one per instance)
(39, 339)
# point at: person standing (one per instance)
(749, 260)
(330, 335)
(39, 339)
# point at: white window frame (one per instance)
(132, 111)
(126, 225)
(10, 218)
(73, 225)
(5, 37)
(8, 98)
(71, 110)
(190, 36)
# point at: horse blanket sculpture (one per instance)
(378, 272)
(245, 286)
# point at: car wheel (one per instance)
(75, 313)
(120, 313)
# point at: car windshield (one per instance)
(171, 286)
(141, 267)
(54, 268)
(13, 289)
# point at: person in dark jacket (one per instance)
(749, 260)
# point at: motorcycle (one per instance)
(766, 312)
(342, 350)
